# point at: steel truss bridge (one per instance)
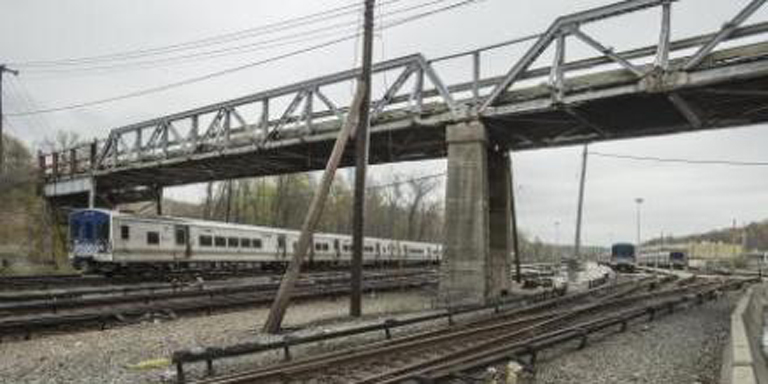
(715, 80)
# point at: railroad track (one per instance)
(424, 354)
(48, 282)
(55, 300)
(24, 319)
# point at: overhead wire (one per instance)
(679, 160)
(15, 99)
(242, 67)
(213, 40)
(24, 97)
(273, 43)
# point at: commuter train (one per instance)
(623, 257)
(111, 242)
(666, 257)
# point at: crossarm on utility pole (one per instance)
(283, 298)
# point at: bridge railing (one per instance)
(69, 162)
(297, 112)
(225, 126)
(571, 26)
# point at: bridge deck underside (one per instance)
(736, 103)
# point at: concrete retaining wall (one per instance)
(743, 360)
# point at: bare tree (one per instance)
(61, 140)
(207, 212)
(420, 189)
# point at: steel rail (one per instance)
(531, 347)
(57, 305)
(495, 323)
(26, 326)
(525, 336)
(151, 288)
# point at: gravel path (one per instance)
(106, 356)
(682, 348)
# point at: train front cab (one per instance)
(623, 257)
(89, 237)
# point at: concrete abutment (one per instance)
(478, 210)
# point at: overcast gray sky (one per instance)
(679, 198)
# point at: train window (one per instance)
(153, 238)
(102, 231)
(206, 241)
(233, 242)
(347, 247)
(257, 243)
(368, 248)
(245, 243)
(318, 247)
(74, 230)
(88, 235)
(125, 232)
(220, 241)
(181, 236)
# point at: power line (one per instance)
(272, 43)
(227, 71)
(188, 81)
(680, 160)
(405, 181)
(213, 40)
(23, 97)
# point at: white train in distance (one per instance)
(663, 257)
(111, 242)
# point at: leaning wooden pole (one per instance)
(283, 298)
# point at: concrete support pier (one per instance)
(477, 252)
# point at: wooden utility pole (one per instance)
(3, 69)
(513, 221)
(573, 263)
(277, 312)
(362, 136)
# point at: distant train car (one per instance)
(678, 260)
(623, 257)
(108, 241)
(663, 257)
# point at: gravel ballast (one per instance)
(682, 348)
(107, 356)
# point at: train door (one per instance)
(183, 249)
(281, 248)
(337, 248)
(378, 252)
(312, 246)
